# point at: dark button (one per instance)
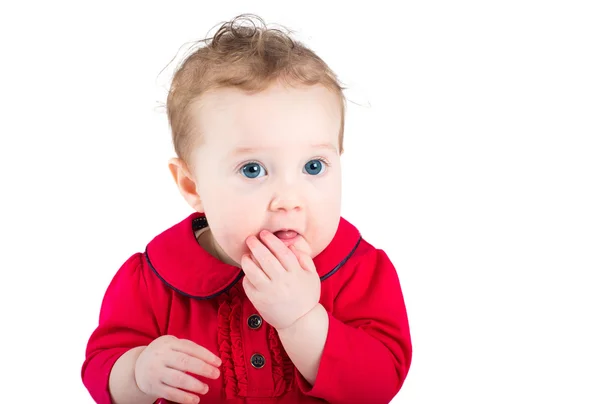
(254, 321)
(257, 360)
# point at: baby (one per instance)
(264, 294)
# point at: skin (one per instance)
(262, 163)
(282, 129)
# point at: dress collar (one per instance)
(184, 266)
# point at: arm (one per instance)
(362, 350)
(121, 383)
(127, 324)
(304, 341)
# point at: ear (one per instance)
(186, 183)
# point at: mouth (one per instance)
(287, 236)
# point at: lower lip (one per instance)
(288, 241)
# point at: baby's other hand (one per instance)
(162, 369)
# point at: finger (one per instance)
(251, 257)
(191, 348)
(180, 380)
(178, 396)
(283, 254)
(304, 259)
(267, 261)
(249, 288)
(187, 363)
(253, 272)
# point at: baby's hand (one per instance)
(281, 282)
(160, 370)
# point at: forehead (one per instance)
(277, 117)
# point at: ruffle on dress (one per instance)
(232, 351)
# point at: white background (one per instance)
(472, 158)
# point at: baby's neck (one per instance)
(207, 241)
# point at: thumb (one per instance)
(304, 259)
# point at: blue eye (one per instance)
(253, 170)
(314, 167)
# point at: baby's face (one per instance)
(269, 161)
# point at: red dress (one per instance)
(175, 287)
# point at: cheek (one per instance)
(329, 195)
(325, 214)
(328, 220)
(233, 216)
(232, 242)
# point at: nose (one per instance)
(286, 198)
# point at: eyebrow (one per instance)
(329, 146)
(249, 150)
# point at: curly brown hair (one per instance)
(245, 54)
